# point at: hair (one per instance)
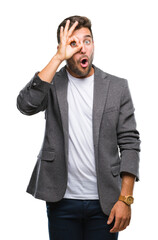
(82, 22)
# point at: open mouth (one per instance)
(84, 62)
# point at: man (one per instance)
(89, 159)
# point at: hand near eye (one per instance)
(69, 45)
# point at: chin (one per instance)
(83, 72)
(78, 71)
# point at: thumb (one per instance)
(111, 217)
(77, 49)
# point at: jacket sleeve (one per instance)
(33, 97)
(128, 136)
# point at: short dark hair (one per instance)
(82, 22)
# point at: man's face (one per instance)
(80, 64)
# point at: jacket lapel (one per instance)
(101, 85)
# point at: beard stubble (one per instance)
(73, 66)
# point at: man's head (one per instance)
(80, 64)
(82, 22)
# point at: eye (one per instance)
(73, 44)
(87, 42)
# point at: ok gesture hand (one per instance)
(68, 46)
(65, 48)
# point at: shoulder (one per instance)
(114, 80)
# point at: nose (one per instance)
(83, 49)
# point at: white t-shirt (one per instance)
(82, 181)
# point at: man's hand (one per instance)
(122, 214)
(69, 45)
(65, 49)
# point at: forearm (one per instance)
(49, 71)
(33, 97)
(128, 181)
(121, 212)
(128, 136)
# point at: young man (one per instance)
(89, 159)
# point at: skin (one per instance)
(74, 45)
(87, 50)
(121, 212)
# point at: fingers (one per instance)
(122, 215)
(120, 224)
(111, 217)
(76, 49)
(116, 226)
(66, 26)
(75, 44)
(72, 29)
(74, 39)
(61, 32)
(68, 32)
(69, 45)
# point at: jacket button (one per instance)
(34, 84)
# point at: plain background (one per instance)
(126, 45)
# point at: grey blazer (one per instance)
(116, 140)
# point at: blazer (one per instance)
(116, 140)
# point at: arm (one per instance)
(121, 211)
(129, 144)
(33, 97)
(127, 135)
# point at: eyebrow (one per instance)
(87, 36)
